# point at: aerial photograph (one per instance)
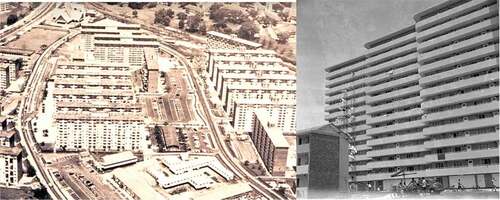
(398, 99)
(147, 100)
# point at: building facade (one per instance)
(95, 108)
(322, 163)
(270, 143)
(11, 169)
(282, 111)
(224, 41)
(424, 99)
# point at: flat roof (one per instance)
(388, 37)
(151, 56)
(170, 136)
(87, 115)
(11, 151)
(8, 133)
(93, 72)
(16, 51)
(93, 64)
(256, 67)
(92, 81)
(263, 76)
(96, 104)
(93, 92)
(143, 43)
(235, 39)
(110, 23)
(244, 51)
(118, 157)
(266, 102)
(259, 87)
(136, 183)
(246, 59)
(273, 132)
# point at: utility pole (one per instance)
(348, 127)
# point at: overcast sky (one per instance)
(332, 31)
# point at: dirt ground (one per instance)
(35, 38)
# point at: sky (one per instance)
(332, 31)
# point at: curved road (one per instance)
(226, 155)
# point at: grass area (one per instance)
(35, 38)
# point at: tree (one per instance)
(181, 16)
(283, 37)
(253, 12)
(203, 28)
(11, 19)
(227, 30)
(278, 7)
(181, 24)
(213, 8)
(136, 5)
(151, 4)
(247, 30)
(134, 13)
(161, 17)
(170, 13)
(193, 23)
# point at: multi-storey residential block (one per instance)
(283, 112)
(269, 142)
(11, 169)
(424, 99)
(222, 41)
(4, 76)
(96, 108)
(322, 163)
(115, 42)
(152, 67)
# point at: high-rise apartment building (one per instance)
(96, 108)
(269, 142)
(11, 169)
(4, 76)
(224, 41)
(110, 41)
(424, 99)
(283, 112)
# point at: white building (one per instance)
(10, 159)
(115, 42)
(282, 111)
(4, 76)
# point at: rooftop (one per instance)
(272, 131)
(8, 133)
(104, 116)
(106, 22)
(151, 56)
(11, 151)
(235, 39)
(118, 157)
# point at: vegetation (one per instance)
(134, 13)
(137, 5)
(11, 19)
(162, 17)
(193, 23)
(248, 30)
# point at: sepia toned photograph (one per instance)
(397, 99)
(148, 100)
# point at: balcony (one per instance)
(481, 39)
(396, 163)
(386, 176)
(395, 139)
(480, 80)
(450, 13)
(479, 14)
(397, 150)
(357, 102)
(302, 148)
(411, 47)
(302, 169)
(409, 69)
(391, 44)
(362, 137)
(410, 58)
(480, 138)
(334, 115)
(394, 116)
(345, 86)
(490, 92)
(363, 147)
(394, 105)
(394, 83)
(394, 94)
(359, 168)
(346, 70)
(468, 69)
(395, 127)
(455, 60)
(361, 157)
(345, 79)
(452, 36)
(484, 169)
(464, 125)
(467, 110)
(473, 154)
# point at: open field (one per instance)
(35, 38)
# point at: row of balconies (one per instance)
(348, 85)
(480, 80)
(394, 116)
(454, 35)
(395, 139)
(409, 69)
(450, 13)
(457, 47)
(411, 47)
(468, 110)
(455, 60)
(448, 142)
(394, 94)
(393, 83)
(391, 44)
(395, 127)
(394, 105)
(479, 14)
(410, 58)
(468, 69)
(478, 94)
(460, 126)
(347, 70)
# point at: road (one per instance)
(32, 19)
(30, 103)
(229, 160)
